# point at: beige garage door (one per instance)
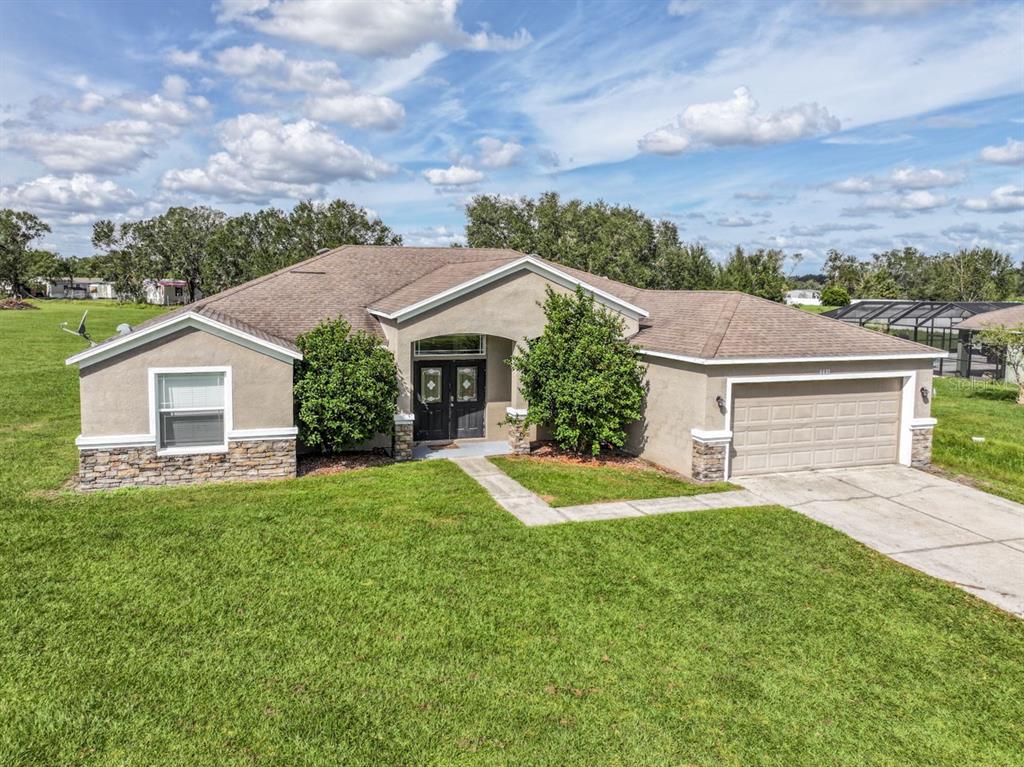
(814, 425)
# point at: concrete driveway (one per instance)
(948, 530)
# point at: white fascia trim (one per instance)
(187, 320)
(516, 412)
(114, 441)
(907, 393)
(250, 435)
(526, 263)
(923, 423)
(708, 436)
(776, 360)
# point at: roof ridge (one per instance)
(715, 338)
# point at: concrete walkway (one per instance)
(461, 449)
(948, 530)
(530, 509)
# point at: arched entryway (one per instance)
(462, 386)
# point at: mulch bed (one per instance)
(316, 465)
(16, 303)
(614, 459)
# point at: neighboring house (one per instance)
(80, 287)
(970, 350)
(736, 385)
(167, 292)
(803, 297)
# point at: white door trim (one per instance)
(907, 390)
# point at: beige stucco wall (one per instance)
(509, 308)
(674, 404)
(115, 393)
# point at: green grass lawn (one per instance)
(397, 616)
(815, 309)
(965, 410)
(566, 484)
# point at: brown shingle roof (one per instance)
(349, 280)
(1012, 315)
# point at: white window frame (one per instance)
(154, 404)
(450, 355)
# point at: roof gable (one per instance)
(394, 307)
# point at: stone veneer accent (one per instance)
(107, 468)
(401, 443)
(709, 460)
(921, 447)
(518, 432)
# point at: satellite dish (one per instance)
(81, 329)
(124, 329)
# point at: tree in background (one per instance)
(687, 267)
(1008, 343)
(835, 295)
(179, 243)
(758, 273)
(125, 260)
(18, 262)
(978, 274)
(844, 270)
(879, 283)
(254, 244)
(581, 378)
(346, 387)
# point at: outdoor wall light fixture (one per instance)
(925, 395)
(720, 401)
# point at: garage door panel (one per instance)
(807, 425)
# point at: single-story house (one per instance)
(968, 348)
(167, 292)
(736, 385)
(803, 297)
(78, 287)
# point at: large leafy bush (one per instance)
(346, 387)
(581, 378)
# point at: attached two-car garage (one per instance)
(795, 425)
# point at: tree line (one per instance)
(212, 251)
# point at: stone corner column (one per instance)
(401, 444)
(710, 451)
(518, 431)
(921, 430)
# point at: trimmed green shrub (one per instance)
(346, 387)
(835, 295)
(581, 378)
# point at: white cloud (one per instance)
(735, 122)
(455, 175)
(885, 7)
(186, 59)
(264, 158)
(733, 221)
(854, 140)
(495, 153)
(380, 28)
(112, 147)
(172, 106)
(854, 185)
(433, 237)
(900, 205)
(1010, 153)
(684, 7)
(360, 110)
(262, 67)
(923, 178)
(78, 199)
(1004, 199)
(820, 230)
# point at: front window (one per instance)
(190, 410)
(460, 345)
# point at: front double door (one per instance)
(450, 399)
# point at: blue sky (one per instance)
(859, 125)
